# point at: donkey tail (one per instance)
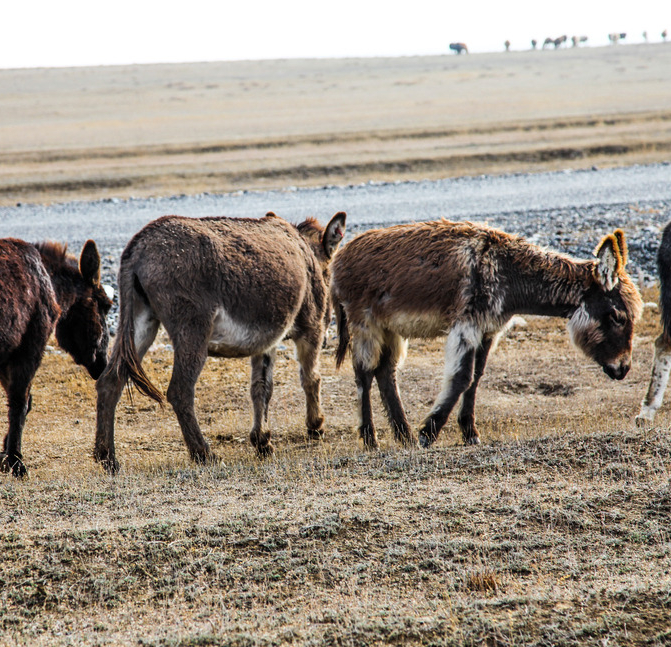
(128, 364)
(343, 334)
(664, 269)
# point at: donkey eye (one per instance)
(617, 318)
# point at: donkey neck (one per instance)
(61, 269)
(547, 283)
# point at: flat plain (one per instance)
(555, 531)
(81, 133)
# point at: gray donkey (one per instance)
(226, 287)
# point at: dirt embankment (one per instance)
(169, 129)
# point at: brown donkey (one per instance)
(43, 287)
(466, 281)
(226, 287)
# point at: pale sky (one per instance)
(56, 33)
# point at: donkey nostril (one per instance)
(616, 371)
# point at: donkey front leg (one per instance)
(658, 381)
(307, 352)
(460, 348)
(109, 385)
(466, 417)
(18, 402)
(262, 391)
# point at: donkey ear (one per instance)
(89, 263)
(622, 246)
(610, 262)
(334, 233)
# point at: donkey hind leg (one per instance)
(307, 352)
(392, 354)
(262, 391)
(460, 348)
(466, 417)
(109, 385)
(658, 381)
(18, 403)
(363, 377)
(189, 360)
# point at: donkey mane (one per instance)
(308, 225)
(55, 256)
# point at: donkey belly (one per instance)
(234, 338)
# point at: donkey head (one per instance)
(82, 328)
(603, 326)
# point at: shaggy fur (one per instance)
(42, 288)
(226, 287)
(466, 281)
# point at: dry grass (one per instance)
(555, 531)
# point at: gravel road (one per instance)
(567, 211)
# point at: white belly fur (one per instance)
(231, 338)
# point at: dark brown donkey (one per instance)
(226, 287)
(41, 286)
(466, 281)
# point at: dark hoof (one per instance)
(110, 465)
(315, 434)
(265, 451)
(205, 458)
(14, 465)
(426, 441)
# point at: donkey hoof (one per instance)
(315, 434)
(425, 440)
(204, 458)
(265, 451)
(472, 440)
(643, 422)
(110, 465)
(14, 465)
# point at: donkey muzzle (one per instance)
(616, 371)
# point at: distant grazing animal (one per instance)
(507, 45)
(548, 41)
(534, 43)
(467, 281)
(577, 40)
(558, 42)
(227, 287)
(42, 288)
(662, 361)
(615, 38)
(459, 48)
